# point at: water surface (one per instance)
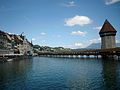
(43, 73)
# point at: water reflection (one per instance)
(42, 73)
(14, 73)
(110, 74)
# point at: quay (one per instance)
(7, 57)
(10, 55)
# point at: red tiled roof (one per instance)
(107, 27)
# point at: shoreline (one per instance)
(5, 58)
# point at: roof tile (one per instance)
(107, 27)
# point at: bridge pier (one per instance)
(118, 57)
(87, 56)
(82, 56)
(97, 56)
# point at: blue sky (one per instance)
(68, 23)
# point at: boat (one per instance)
(9, 60)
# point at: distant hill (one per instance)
(118, 45)
(98, 46)
(94, 46)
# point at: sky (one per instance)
(59, 23)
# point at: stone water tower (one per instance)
(107, 34)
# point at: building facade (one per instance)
(107, 34)
(27, 47)
(18, 44)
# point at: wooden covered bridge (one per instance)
(91, 52)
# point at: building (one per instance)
(9, 41)
(27, 47)
(17, 44)
(3, 40)
(21, 45)
(107, 34)
(5, 44)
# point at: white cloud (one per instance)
(80, 33)
(10, 33)
(97, 28)
(69, 46)
(42, 33)
(95, 40)
(33, 39)
(78, 20)
(108, 2)
(70, 4)
(79, 44)
(117, 41)
(75, 45)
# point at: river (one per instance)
(45, 73)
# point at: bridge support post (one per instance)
(97, 56)
(87, 56)
(118, 57)
(82, 56)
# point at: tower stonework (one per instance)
(107, 34)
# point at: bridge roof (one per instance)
(107, 27)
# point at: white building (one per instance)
(17, 43)
(26, 47)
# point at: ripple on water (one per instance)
(41, 73)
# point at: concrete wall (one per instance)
(108, 42)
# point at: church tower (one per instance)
(107, 34)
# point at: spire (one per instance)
(22, 33)
(107, 27)
(31, 41)
(106, 21)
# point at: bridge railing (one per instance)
(114, 51)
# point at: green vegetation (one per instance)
(38, 49)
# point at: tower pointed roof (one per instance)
(107, 27)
